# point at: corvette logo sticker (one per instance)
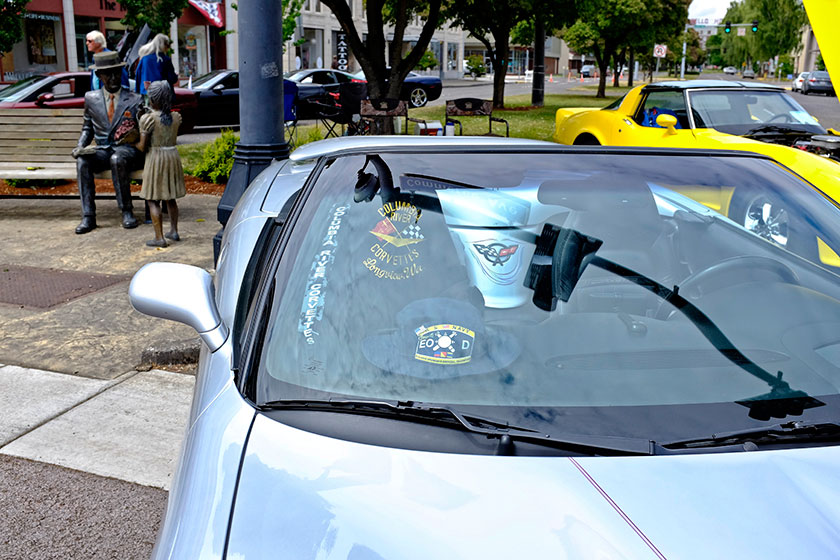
(500, 259)
(444, 344)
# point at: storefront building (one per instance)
(54, 38)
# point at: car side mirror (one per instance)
(667, 121)
(181, 293)
(218, 88)
(44, 98)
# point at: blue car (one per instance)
(476, 347)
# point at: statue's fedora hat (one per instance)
(106, 60)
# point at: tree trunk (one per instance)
(632, 66)
(500, 64)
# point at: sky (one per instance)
(708, 8)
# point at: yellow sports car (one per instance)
(722, 115)
(711, 114)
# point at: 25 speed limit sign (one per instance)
(659, 51)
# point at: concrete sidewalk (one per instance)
(73, 391)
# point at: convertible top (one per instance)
(697, 84)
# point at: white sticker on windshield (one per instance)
(803, 117)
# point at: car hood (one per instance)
(303, 495)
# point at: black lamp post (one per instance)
(261, 138)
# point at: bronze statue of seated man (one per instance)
(111, 122)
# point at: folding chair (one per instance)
(290, 91)
(344, 112)
(374, 112)
(472, 107)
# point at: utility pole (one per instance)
(538, 89)
(260, 34)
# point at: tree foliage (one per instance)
(11, 23)
(158, 14)
(371, 54)
(427, 61)
(780, 25)
(491, 22)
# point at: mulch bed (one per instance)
(105, 186)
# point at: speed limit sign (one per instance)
(659, 51)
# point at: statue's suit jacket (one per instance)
(96, 125)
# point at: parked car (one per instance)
(818, 81)
(731, 70)
(708, 114)
(748, 73)
(417, 89)
(482, 333)
(587, 71)
(218, 98)
(318, 86)
(796, 85)
(66, 90)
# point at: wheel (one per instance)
(586, 140)
(418, 97)
(765, 217)
(693, 286)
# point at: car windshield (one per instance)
(591, 294)
(735, 111)
(20, 89)
(206, 79)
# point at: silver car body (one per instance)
(250, 487)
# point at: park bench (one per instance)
(36, 144)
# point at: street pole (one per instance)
(682, 67)
(538, 89)
(260, 33)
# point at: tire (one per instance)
(586, 140)
(418, 97)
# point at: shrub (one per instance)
(33, 183)
(475, 65)
(217, 159)
(427, 61)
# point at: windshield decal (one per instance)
(500, 259)
(444, 344)
(395, 255)
(312, 309)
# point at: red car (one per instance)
(67, 90)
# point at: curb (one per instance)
(177, 352)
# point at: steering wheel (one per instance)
(692, 286)
(780, 116)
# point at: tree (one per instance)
(491, 18)
(11, 23)
(371, 54)
(158, 14)
(603, 28)
(428, 60)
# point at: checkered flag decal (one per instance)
(412, 232)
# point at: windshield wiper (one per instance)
(562, 254)
(507, 434)
(775, 129)
(787, 432)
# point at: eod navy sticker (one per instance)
(444, 344)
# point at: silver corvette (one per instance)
(495, 348)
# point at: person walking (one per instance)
(163, 176)
(154, 64)
(95, 43)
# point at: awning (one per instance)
(211, 10)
